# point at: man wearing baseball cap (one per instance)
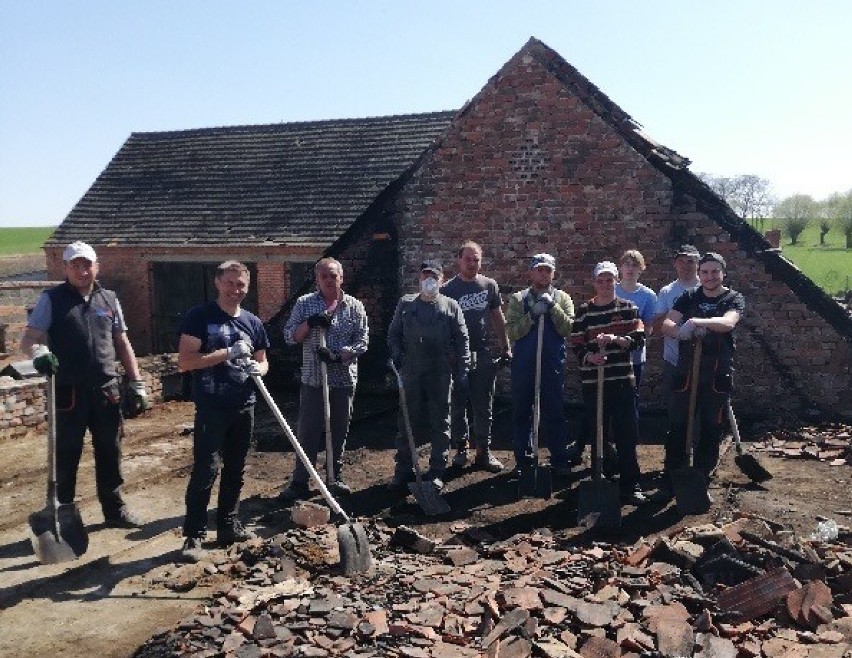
(76, 333)
(524, 310)
(429, 345)
(708, 314)
(606, 331)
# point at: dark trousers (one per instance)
(471, 414)
(222, 438)
(710, 410)
(619, 413)
(427, 395)
(311, 428)
(553, 426)
(79, 408)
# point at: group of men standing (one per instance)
(442, 339)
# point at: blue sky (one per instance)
(738, 86)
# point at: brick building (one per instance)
(539, 160)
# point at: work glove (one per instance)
(320, 320)
(239, 350)
(252, 368)
(543, 305)
(136, 390)
(328, 356)
(44, 361)
(689, 330)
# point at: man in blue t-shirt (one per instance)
(223, 345)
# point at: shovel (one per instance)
(536, 481)
(689, 483)
(57, 531)
(748, 464)
(599, 500)
(352, 542)
(425, 492)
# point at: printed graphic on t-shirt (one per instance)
(475, 301)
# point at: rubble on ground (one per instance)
(747, 588)
(831, 442)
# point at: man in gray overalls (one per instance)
(428, 342)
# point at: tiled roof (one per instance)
(291, 183)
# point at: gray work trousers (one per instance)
(473, 411)
(311, 427)
(428, 397)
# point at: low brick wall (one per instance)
(22, 404)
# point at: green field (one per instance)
(23, 240)
(830, 266)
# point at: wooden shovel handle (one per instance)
(693, 396)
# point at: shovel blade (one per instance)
(535, 481)
(752, 468)
(690, 490)
(355, 555)
(599, 504)
(58, 535)
(429, 498)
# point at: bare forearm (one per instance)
(127, 357)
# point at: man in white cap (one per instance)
(77, 333)
(541, 300)
(606, 331)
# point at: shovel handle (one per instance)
(693, 397)
(599, 437)
(536, 419)
(298, 448)
(50, 403)
(326, 410)
(735, 430)
(403, 405)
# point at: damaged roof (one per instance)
(286, 184)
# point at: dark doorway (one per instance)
(180, 286)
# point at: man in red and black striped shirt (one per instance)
(606, 330)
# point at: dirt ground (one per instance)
(119, 594)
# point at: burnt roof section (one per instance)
(290, 183)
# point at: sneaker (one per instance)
(634, 496)
(486, 461)
(399, 482)
(192, 550)
(294, 492)
(124, 519)
(460, 458)
(340, 488)
(233, 533)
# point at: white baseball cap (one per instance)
(605, 266)
(79, 250)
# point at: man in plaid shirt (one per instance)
(345, 322)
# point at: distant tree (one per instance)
(795, 213)
(839, 208)
(750, 196)
(825, 219)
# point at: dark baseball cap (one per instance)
(687, 250)
(433, 266)
(712, 256)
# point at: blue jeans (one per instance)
(222, 437)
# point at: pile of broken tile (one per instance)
(745, 589)
(830, 443)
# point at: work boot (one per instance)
(192, 550)
(486, 461)
(125, 518)
(340, 488)
(634, 496)
(460, 458)
(561, 469)
(399, 482)
(233, 533)
(663, 495)
(293, 492)
(574, 454)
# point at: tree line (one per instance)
(751, 198)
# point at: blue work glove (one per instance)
(320, 320)
(328, 356)
(239, 350)
(542, 305)
(44, 361)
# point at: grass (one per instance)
(20, 240)
(829, 266)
